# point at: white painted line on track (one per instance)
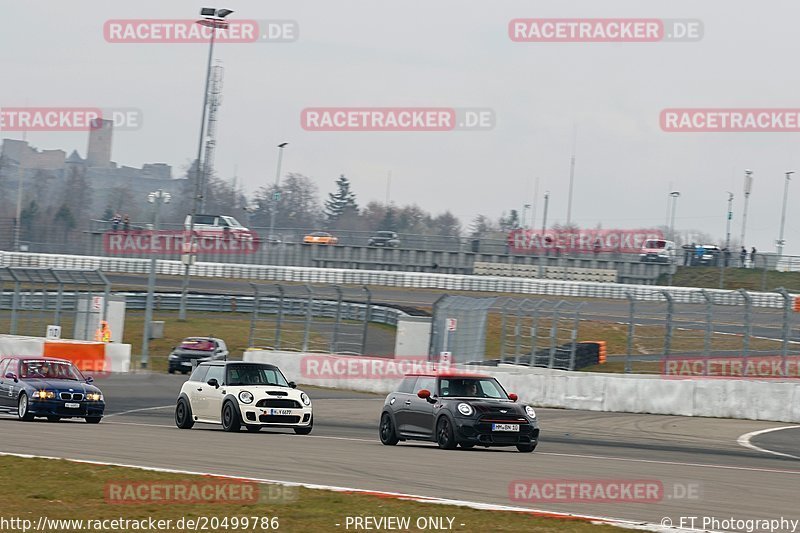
(628, 524)
(744, 440)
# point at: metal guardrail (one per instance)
(421, 280)
(379, 314)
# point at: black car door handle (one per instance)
(200, 389)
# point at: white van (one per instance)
(657, 251)
(210, 224)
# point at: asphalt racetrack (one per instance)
(704, 471)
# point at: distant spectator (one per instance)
(687, 254)
(115, 220)
(753, 257)
(742, 256)
(126, 223)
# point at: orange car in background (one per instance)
(320, 237)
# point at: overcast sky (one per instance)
(375, 53)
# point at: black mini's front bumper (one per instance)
(479, 432)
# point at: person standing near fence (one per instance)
(753, 257)
(742, 256)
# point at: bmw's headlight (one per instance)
(94, 397)
(465, 409)
(305, 398)
(173, 356)
(245, 397)
(530, 412)
(44, 394)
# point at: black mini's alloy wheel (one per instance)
(230, 418)
(183, 415)
(444, 434)
(387, 432)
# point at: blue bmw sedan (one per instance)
(45, 387)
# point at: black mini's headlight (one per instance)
(530, 412)
(465, 409)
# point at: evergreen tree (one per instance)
(341, 202)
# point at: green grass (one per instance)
(735, 278)
(77, 491)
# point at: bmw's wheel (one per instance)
(183, 415)
(387, 432)
(23, 408)
(526, 448)
(306, 430)
(444, 434)
(230, 418)
(93, 419)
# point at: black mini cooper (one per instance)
(457, 409)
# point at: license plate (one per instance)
(278, 412)
(72, 405)
(505, 427)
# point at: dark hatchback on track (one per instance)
(45, 387)
(457, 409)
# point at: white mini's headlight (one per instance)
(245, 397)
(465, 409)
(529, 410)
(305, 398)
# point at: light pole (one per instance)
(525, 208)
(781, 242)
(544, 218)
(675, 195)
(748, 186)
(18, 224)
(214, 19)
(275, 193)
(156, 198)
(730, 217)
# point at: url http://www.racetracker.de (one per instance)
(44, 524)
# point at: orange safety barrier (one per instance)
(796, 305)
(89, 357)
(602, 354)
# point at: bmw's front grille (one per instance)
(74, 396)
(279, 403)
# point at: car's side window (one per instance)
(426, 383)
(3, 365)
(199, 374)
(407, 386)
(216, 372)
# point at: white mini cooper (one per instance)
(236, 393)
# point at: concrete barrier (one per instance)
(424, 280)
(627, 393)
(91, 357)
